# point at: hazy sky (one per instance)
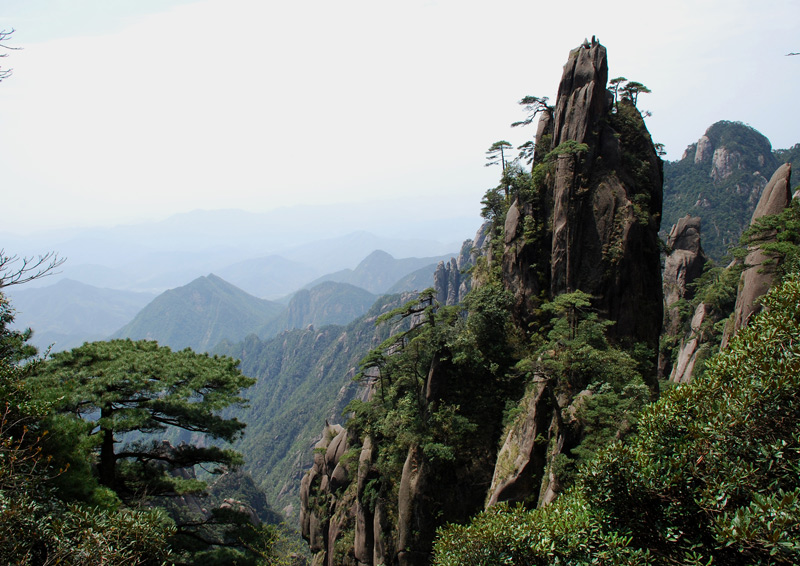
(125, 110)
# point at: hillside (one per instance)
(69, 313)
(720, 179)
(200, 315)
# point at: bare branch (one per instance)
(4, 36)
(31, 267)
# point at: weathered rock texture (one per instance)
(324, 504)
(522, 460)
(684, 264)
(603, 204)
(758, 276)
(683, 367)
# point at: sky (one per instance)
(124, 111)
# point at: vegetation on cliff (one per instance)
(558, 370)
(720, 179)
(84, 481)
(710, 477)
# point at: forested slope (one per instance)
(304, 377)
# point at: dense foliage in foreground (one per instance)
(712, 477)
(74, 492)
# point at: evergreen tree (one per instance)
(120, 387)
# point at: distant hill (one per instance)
(720, 179)
(199, 315)
(326, 303)
(156, 256)
(379, 271)
(69, 313)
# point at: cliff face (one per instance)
(759, 274)
(588, 221)
(603, 204)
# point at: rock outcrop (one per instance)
(759, 273)
(451, 280)
(323, 515)
(604, 215)
(684, 264)
(522, 460)
(683, 368)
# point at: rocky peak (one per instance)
(603, 204)
(728, 147)
(604, 214)
(451, 280)
(582, 96)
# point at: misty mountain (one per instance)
(269, 277)
(379, 271)
(69, 313)
(199, 315)
(326, 303)
(156, 256)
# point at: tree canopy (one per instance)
(121, 387)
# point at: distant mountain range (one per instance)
(379, 271)
(210, 309)
(327, 303)
(157, 256)
(68, 313)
